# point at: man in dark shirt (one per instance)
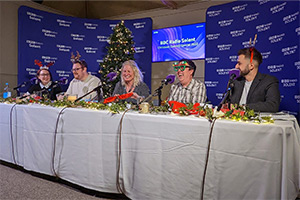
(257, 91)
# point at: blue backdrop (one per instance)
(51, 37)
(229, 28)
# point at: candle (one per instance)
(144, 107)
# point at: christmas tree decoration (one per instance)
(119, 50)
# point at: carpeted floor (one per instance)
(16, 183)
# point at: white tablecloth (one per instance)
(162, 156)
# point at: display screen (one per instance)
(175, 43)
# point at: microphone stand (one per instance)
(157, 92)
(48, 90)
(96, 89)
(99, 93)
(226, 98)
(19, 86)
(24, 84)
(41, 91)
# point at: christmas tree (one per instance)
(120, 49)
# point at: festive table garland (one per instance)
(111, 104)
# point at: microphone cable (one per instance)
(11, 133)
(207, 157)
(54, 141)
(119, 187)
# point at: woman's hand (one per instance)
(60, 97)
(135, 96)
(33, 95)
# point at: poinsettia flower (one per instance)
(37, 98)
(196, 106)
(225, 110)
(238, 111)
(202, 113)
(175, 105)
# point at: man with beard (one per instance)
(83, 82)
(257, 91)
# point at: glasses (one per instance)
(76, 69)
(44, 74)
(180, 66)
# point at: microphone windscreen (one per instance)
(235, 72)
(171, 78)
(63, 81)
(34, 80)
(112, 76)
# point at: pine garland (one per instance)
(238, 114)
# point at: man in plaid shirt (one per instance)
(188, 89)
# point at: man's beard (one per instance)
(246, 71)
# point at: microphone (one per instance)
(62, 81)
(21, 85)
(32, 81)
(112, 76)
(234, 74)
(169, 79)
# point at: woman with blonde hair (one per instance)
(131, 81)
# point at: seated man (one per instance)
(83, 82)
(188, 89)
(257, 91)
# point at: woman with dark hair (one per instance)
(45, 86)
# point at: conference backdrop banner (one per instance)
(229, 28)
(50, 37)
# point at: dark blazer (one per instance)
(263, 94)
(51, 92)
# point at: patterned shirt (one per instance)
(195, 92)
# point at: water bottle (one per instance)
(7, 92)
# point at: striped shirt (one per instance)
(195, 92)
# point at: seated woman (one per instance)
(45, 86)
(131, 81)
